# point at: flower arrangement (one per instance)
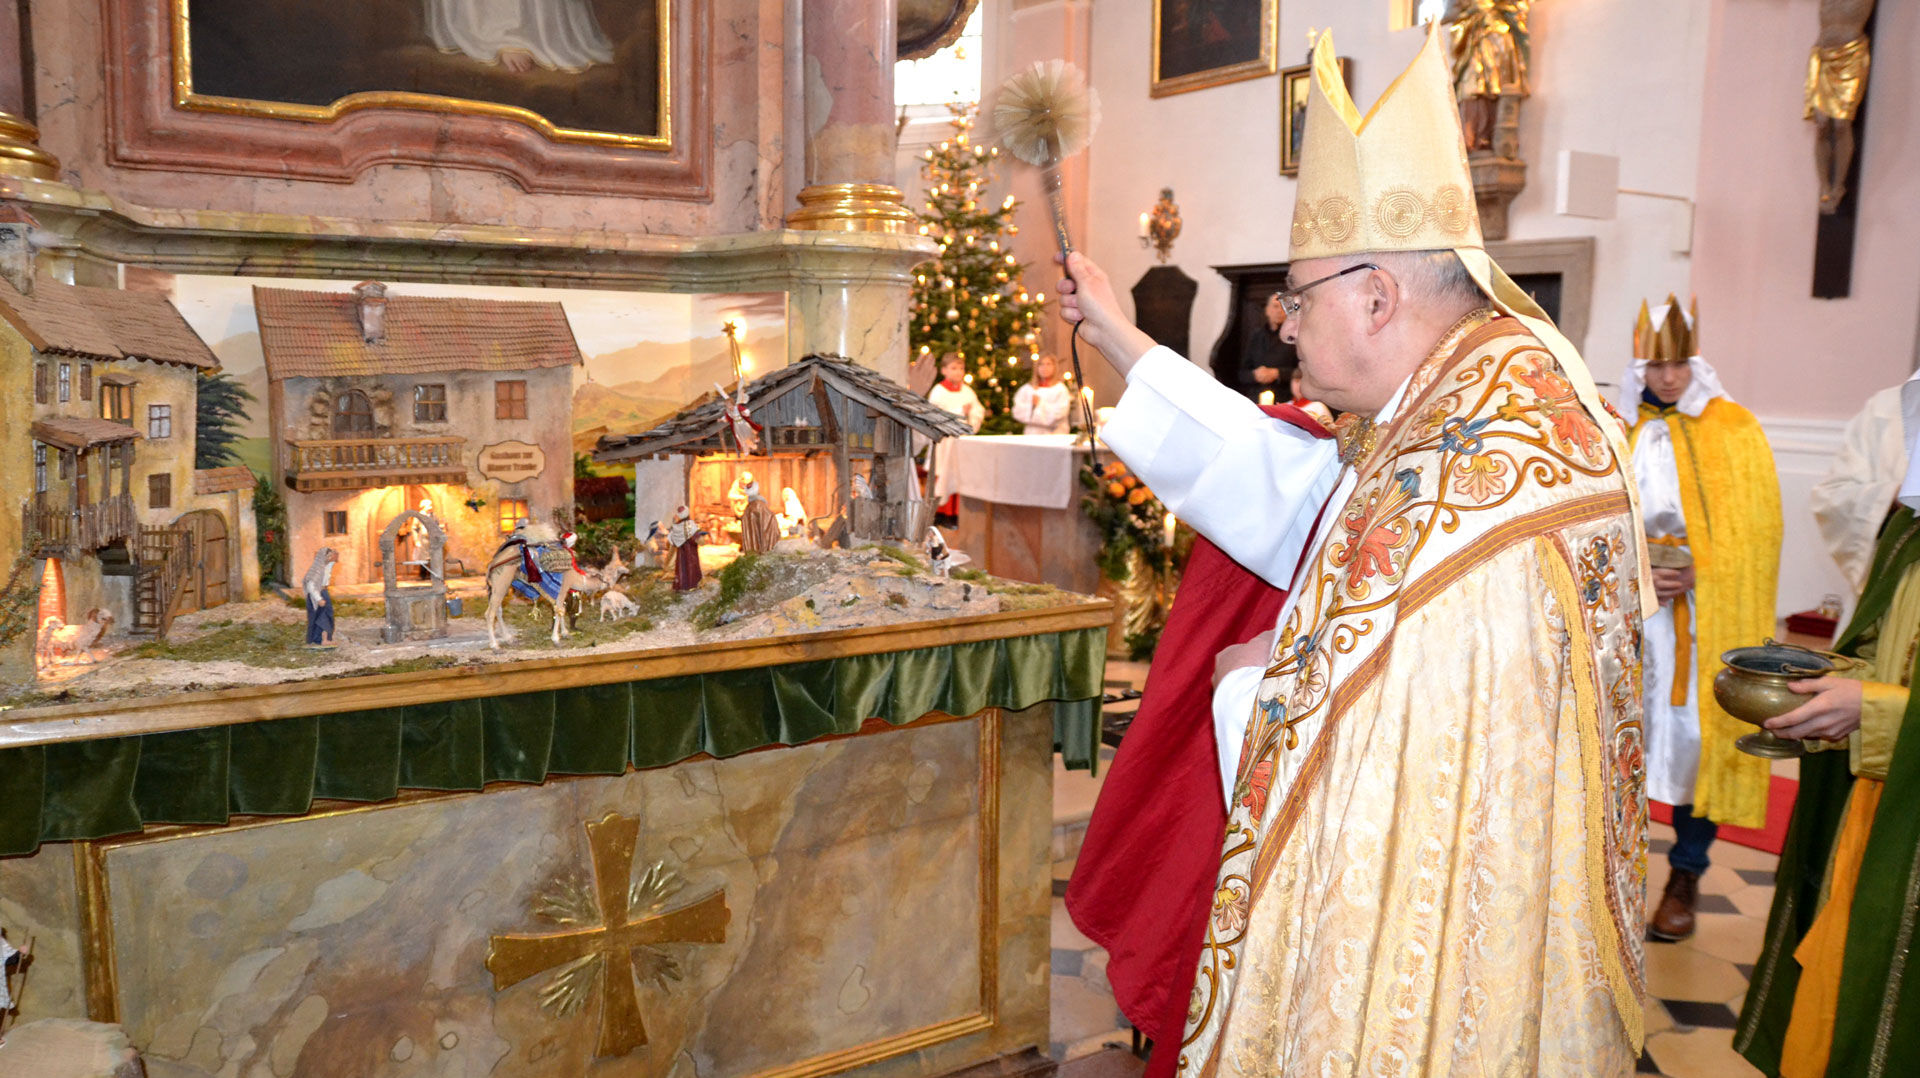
(1142, 548)
(1131, 520)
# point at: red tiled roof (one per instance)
(104, 324)
(308, 334)
(221, 480)
(80, 432)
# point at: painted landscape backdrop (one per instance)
(648, 354)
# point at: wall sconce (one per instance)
(1161, 227)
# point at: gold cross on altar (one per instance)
(630, 919)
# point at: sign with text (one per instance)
(511, 462)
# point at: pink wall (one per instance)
(1779, 351)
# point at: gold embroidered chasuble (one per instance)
(1435, 859)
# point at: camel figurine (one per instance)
(514, 568)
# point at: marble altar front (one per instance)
(871, 902)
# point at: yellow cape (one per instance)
(1731, 499)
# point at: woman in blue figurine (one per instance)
(319, 600)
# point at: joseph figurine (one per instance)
(1434, 859)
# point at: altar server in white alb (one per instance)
(1434, 859)
(1711, 504)
(952, 394)
(1041, 405)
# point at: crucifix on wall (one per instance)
(1836, 104)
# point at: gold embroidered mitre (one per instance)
(1674, 340)
(1396, 180)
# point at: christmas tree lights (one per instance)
(969, 299)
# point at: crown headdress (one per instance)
(1675, 340)
(1393, 180)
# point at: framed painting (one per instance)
(1294, 82)
(1202, 43)
(575, 70)
(600, 96)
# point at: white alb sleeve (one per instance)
(1250, 483)
(1233, 702)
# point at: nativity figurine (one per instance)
(793, 515)
(59, 643)
(759, 529)
(684, 538)
(320, 598)
(941, 558)
(746, 433)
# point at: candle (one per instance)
(1087, 393)
(1144, 219)
(1266, 396)
(1169, 531)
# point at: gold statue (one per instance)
(1490, 53)
(1836, 82)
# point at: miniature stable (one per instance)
(826, 420)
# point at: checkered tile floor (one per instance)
(1696, 986)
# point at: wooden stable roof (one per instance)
(104, 324)
(309, 334)
(81, 432)
(698, 427)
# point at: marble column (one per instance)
(847, 55)
(20, 152)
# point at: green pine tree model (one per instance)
(220, 409)
(969, 299)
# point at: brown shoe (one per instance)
(1673, 921)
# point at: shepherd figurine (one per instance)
(685, 540)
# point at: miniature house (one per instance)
(378, 402)
(113, 504)
(826, 420)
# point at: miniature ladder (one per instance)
(162, 560)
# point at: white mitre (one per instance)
(1397, 180)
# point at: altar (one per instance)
(1020, 512)
(800, 855)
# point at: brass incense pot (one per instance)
(1752, 687)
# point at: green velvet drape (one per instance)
(92, 789)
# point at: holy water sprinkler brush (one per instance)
(1045, 115)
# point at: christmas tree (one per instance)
(969, 299)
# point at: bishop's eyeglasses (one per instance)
(1290, 298)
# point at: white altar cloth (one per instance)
(1020, 469)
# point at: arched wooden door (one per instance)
(207, 584)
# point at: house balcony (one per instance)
(362, 463)
(69, 530)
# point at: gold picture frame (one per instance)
(1294, 82)
(186, 97)
(1182, 61)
